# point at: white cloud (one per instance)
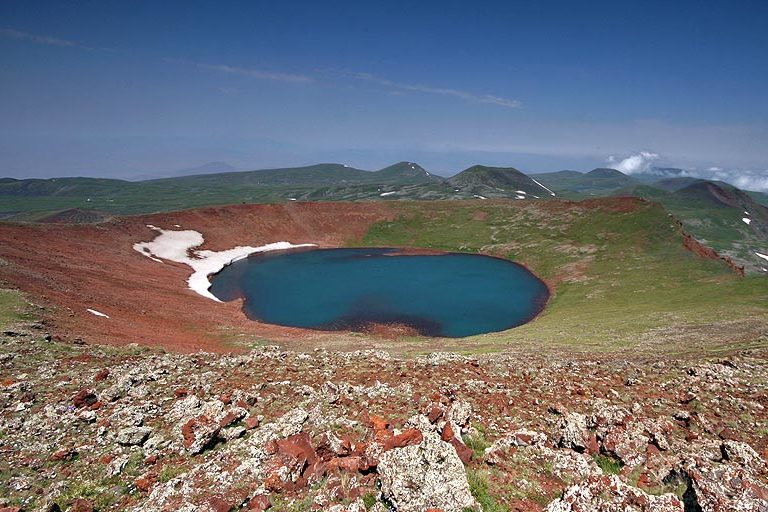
(642, 162)
(40, 39)
(443, 91)
(254, 73)
(746, 180)
(635, 163)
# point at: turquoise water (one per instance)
(453, 295)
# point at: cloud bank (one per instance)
(635, 163)
(642, 162)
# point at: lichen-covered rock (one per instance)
(199, 432)
(133, 435)
(426, 475)
(610, 494)
(574, 433)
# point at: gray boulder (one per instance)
(427, 475)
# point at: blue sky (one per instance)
(130, 88)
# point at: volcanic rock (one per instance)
(427, 475)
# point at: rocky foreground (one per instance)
(99, 428)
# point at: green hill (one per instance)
(597, 182)
(499, 182)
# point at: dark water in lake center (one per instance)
(450, 294)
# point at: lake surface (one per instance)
(452, 295)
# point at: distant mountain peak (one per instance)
(605, 172)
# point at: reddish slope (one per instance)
(75, 267)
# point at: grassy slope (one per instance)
(13, 309)
(636, 275)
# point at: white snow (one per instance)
(480, 197)
(764, 256)
(176, 245)
(425, 172)
(519, 197)
(97, 313)
(521, 192)
(542, 186)
(292, 199)
(746, 212)
(385, 194)
(176, 226)
(746, 220)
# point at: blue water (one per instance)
(451, 295)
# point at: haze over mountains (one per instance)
(730, 220)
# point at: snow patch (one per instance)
(542, 186)
(176, 246)
(764, 256)
(521, 192)
(480, 197)
(519, 197)
(292, 199)
(385, 194)
(97, 313)
(746, 220)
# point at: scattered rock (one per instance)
(133, 435)
(428, 475)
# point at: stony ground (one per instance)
(88, 427)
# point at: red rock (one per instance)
(63, 454)
(593, 448)
(271, 447)
(180, 392)
(219, 505)
(728, 434)
(97, 405)
(464, 452)
(152, 459)
(106, 459)
(100, 376)
(226, 399)
(434, 414)
(145, 482)
(259, 503)
(230, 418)
(252, 422)
(410, 437)
(10, 509)
(199, 432)
(81, 505)
(83, 398)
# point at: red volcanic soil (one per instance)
(73, 267)
(70, 268)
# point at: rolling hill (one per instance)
(499, 182)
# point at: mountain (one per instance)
(673, 184)
(595, 182)
(406, 173)
(499, 182)
(207, 168)
(210, 167)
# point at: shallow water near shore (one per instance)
(444, 294)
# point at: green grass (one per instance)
(478, 487)
(477, 442)
(609, 465)
(13, 309)
(619, 275)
